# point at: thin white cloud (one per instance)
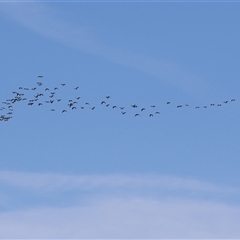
(105, 214)
(43, 20)
(51, 182)
(125, 218)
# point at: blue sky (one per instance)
(121, 175)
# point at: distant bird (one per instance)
(103, 102)
(64, 111)
(39, 104)
(76, 88)
(59, 100)
(114, 107)
(55, 88)
(151, 115)
(186, 105)
(40, 76)
(197, 107)
(74, 108)
(33, 88)
(63, 84)
(137, 115)
(121, 108)
(233, 100)
(157, 112)
(225, 102)
(134, 106)
(46, 89)
(219, 105)
(179, 106)
(153, 106)
(52, 110)
(204, 106)
(123, 113)
(39, 83)
(77, 98)
(212, 104)
(30, 104)
(93, 108)
(87, 103)
(168, 102)
(142, 109)
(107, 97)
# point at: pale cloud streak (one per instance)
(125, 218)
(41, 19)
(110, 212)
(53, 181)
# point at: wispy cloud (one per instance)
(108, 211)
(51, 182)
(41, 19)
(125, 218)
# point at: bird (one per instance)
(153, 106)
(114, 107)
(168, 102)
(39, 104)
(76, 88)
(103, 102)
(123, 113)
(40, 76)
(134, 106)
(137, 115)
(52, 110)
(63, 84)
(233, 100)
(157, 112)
(151, 115)
(74, 108)
(107, 97)
(64, 111)
(142, 109)
(77, 98)
(46, 89)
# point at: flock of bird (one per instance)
(74, 103)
